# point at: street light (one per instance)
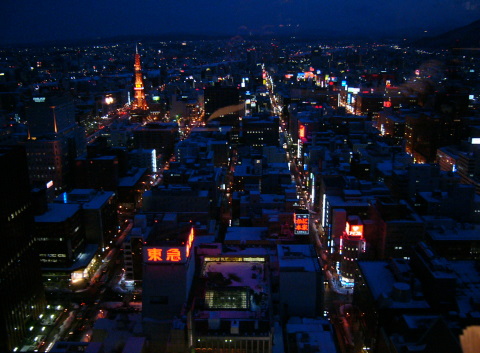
(109, 100)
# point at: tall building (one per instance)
(231, 310)
(159, 136)
(60, 235)
(352, 245)
(49, 114)
(21, 285)
(54, 141)
(300, 281)
(139, 101)
(168, 271)
(99, 213)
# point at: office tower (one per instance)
(352, 246)
(301, 288)
(260, 131)
(168, 271)
(60, 235)
(54, 141)
(159, 136)
(99, 213)
(49, 114)
(98, 172)
(21, 282)
(139, 101)
(316, 58)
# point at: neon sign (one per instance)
(191, 236)
(301, 132)
(355, 230)
(154, 254)
(169, 254)
(301, 224)
(173, 255)
(158, 255)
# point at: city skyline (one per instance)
(248, 193)
(27, 22)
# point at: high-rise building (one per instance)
(168, 271)
(54, 141)
(49, 114)
(159, 136)
(21, 285)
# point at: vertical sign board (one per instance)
(301, 223)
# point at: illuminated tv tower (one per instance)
(139, 101)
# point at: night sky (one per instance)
(30, 21)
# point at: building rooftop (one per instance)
(245, 234)
(310, 335)
(386, 289)
(234, 289)
(468, 286)
(298, 257)
(57, 213)
(462, 233)
(131, 179)
(89, 198)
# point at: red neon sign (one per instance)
(165, 255)
(169, 254)
(301, 223)
(301, 132)
(154, 254)
(173, 255)
(355, 230)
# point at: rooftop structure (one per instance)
(232, 306)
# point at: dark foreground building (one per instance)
(20, 278)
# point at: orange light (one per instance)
(301, 223)
(173, 255)
(354, 229)
(154, 254)
(301, 131)
(190, 241)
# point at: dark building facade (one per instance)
(21, 285)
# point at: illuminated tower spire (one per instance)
(139, 101)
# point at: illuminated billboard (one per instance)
(354, 230)
(169, 254)
(301, 223)
(165, 254)
(301, 132)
